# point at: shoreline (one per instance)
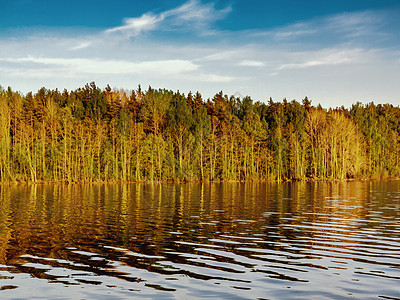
(116, 182)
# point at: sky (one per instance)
(334, 52)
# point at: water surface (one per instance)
(220, 240)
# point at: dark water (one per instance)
(197, 241)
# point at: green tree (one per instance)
(201, 130)
(179, 123)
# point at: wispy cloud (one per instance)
(191, 15)
(251, 63)
(110, 67)
(218, 54)
(81, 45)
(294, 31)
(134, 26)
(212, 78)
(325, 57)
(345, 27)
(354, 24)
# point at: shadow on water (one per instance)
(216, 240)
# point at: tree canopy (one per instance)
(106, 135)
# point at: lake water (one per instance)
(320, 240)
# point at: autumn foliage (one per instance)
(158, 135)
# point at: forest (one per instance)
(110, 135)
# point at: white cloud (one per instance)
(81, 45)
(251, 63)
(195, 11)
(191, 15)
(318, 58)
(354, 24)
(110, 67)
(347, 27)
(295, 30)
(134, 26)
(37, 73)
(286, 34)
(212, 78)
(323, 57)
(221, 55)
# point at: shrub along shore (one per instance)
(95, 135)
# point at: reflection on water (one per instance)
(225, 240)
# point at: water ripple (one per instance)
(226, 241)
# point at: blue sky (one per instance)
(334, 52)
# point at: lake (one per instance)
(306, 240)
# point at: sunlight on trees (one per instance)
(95, 135)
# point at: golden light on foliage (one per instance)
(158, 135)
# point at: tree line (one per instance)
(95, 135)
